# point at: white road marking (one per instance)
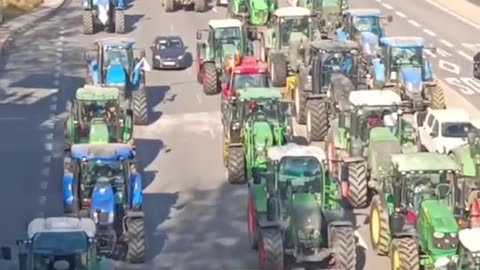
(429, 32)
(430, 53)
(446, 43)
(53, 107)
(465, 55)
(361, 242)
(414, 23)
(42, 199)
(48, 147)
(461, 18)
(49, 136)
(47, 159)
(377, 0)
(387, 6)
(199, 98)
(44, 185)
(400, 14)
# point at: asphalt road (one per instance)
(194, 219)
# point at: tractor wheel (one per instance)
(210, 79)
(170, 5)
(119, 21)
(379, 231)
(88, 22)
(404, 254)
(278, 70)
(343, 242)
(300, 103)
(437, 98)
(357, 184)
(270, 250)
(236, 166)
(253, 233)
(317, 120)
(136, 241)
(140, 110)
(200, 6)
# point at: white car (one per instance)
(441, 131)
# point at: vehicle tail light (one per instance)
(86, 202)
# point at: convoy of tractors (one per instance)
(378, 130)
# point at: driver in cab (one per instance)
(66, 262)
(429, 187)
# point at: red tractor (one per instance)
(243, 72)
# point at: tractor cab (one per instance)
(96, 117)
(364, 26)
(58, 243)
(246, 73)
(289, 25)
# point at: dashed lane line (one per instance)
(430, 32)
(465, 55)
(387, 6)
(414, 23)
(400, 14)
(446, 43)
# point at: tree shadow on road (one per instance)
(147, 151)
(132, 22)
(155, 96)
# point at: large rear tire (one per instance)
(317, 120)
(437, 97)
(270, 250)
(140, 109)
(345, 248)
(357, 182)
(404, 254)
(88, 22)
(278, 69)
(119, 21)
(136, 241)
(379, 231)
(236, 166)
(210, 79)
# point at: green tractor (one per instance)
(289, 27)
(410, 218)
(329, 14)
(257, 120)
(294, 210)
(95, 116)
(362, 138)
(255, 13)
(218, 48)
(59, 243)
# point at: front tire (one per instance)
(317, 120)
(404, 254)
(379, 231)
(210, 79)
(270, 250)
(345, 248)
(119, 21)
(140, 110)
(357, 184)
(236, 166)
(437, 98)
(136, 241)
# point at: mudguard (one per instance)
(137, 78)
(68, 190)
(259, 195)
(463, 157)
(116, 75)
(136, 191)
(379, 70)
(427, 70)
(103, 199)
(342, 36)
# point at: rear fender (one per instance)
(137, 74)
(136, 191)
(70, 126)
(68, 189)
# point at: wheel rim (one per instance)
(297, 102)
(375, 226)
(261, 256)
(251, 219)
(395, 259)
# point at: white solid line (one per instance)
(414, 23)
(387, 6)
(400, 14)
(199, 98)
(448, 44)
(430, 32)
(466, 56)
(474, 25)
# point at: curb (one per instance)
(15, 27)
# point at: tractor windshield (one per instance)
(259, 110)
(106, 110)
(341, 62)
(60, 243)
(116, 56)
(456, 130)
(367, 24)
(407, 56)
(424, 186)
(249, 80)
(294, 25)
(300, 167)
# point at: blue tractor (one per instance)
(366, 27)
(403, 66)
(116, 63)
(108, 14)
(101, 182)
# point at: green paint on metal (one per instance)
(99, 133)
(440, 216)
(259, 93)
(96, 93)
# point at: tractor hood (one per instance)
(469, 239)
(116, 75)
(103, 201)
(439, 216)
(99, 133)
(411, 79)
(306, 218)
(263, 138)
(369, 42)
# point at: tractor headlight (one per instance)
(438, 235)
(157, 57)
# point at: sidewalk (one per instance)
(463, 8)
(22, 23)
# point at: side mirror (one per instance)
(6, 253)
(389, 18)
